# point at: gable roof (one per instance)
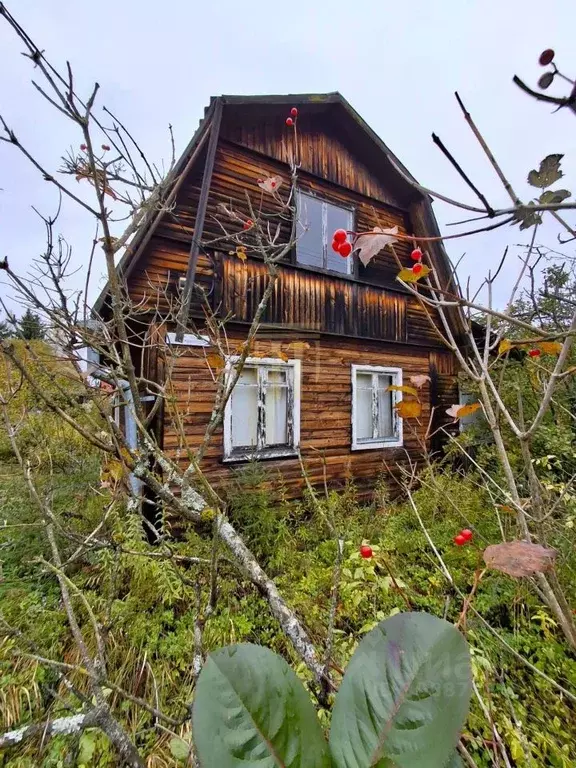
(383, 160)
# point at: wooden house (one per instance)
(335, 334)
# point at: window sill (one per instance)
(380, 444)
(242, 458)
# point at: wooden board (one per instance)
(325, 410)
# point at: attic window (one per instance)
(375, 423)
(262, 416)
(317, 221)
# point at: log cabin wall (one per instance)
(325, 410)
(364, 318)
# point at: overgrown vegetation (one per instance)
(148, 605)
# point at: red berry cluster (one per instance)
(290, 121)
(534, 353)
(341, 244)
(463, 537)
(366, 551)
(416, 256)
(248, 224)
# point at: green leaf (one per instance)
(551, 197)
(456, 761)
(527, 217)
(87, 747)
(404, 697)
(179, 748)
(251, 709)
(548, 173)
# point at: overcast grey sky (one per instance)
(398, 63)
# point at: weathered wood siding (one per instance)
(365, 318)
(235, 176)
(444, 393)
(312, 300)
(325, 151)
(326, 391)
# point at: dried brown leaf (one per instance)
(271, 184)
(369, 245)
(419, 380)
(519, 558)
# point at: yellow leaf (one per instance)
(459, 411)
(409, 409)
(408, 276)
(504, 346)
(111, 472)
(550, 347)
(405, 389)
(215, 361)
(240, 252)
(298, 346)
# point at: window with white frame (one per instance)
(375, 421)
(262, 416)
(317, 221)
(123, 405)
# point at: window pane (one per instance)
(385, 400)
(364, 406)
(337, 218)
(276, 377)
(276, 408)
(244, 403)
(310, 245)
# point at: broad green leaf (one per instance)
(527, 217)
(455, 761)
(548, 173)
(179, 748)
(404, 697)
(552, 197)
(87, 747)
(251, 710)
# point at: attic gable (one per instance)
(333, 146)
(338, 147)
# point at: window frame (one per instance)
(325, 201)
(398, 439)
(123, 415)
(239, 453)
